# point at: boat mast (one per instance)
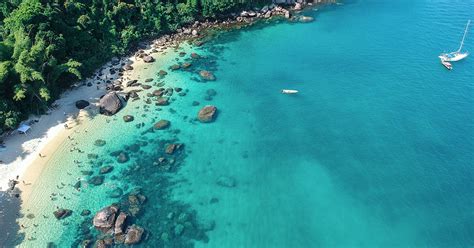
(464, 36)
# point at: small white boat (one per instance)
(289, 91)
(446, 64)
(457, 55)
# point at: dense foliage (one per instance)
(45, 45)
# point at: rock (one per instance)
(62, 213)
(158, 93)
(207, 75)
(132, 83)
(162, 124)
(162, 101)
(122, 157)
(92, 156)
(100, 244)
(110, 104)
(298, 6)
(146, 86)
(133, 94)
(87, 173)
(85, 212)
(115, 193)
(207, 114)
(162, 73)
(106, 169)
(178, 89)
(100, 142)
(211, 92)
(194, 32)
(186, 65)
(227, 182)
(178, 230)
(175, 67)
(287, 14)
(128, 67)
(305, 19)
(148, 80)
(265, 9)
(195, 103)
(268, 14)
(195, 56)
(81, 104)
(128, 118)
(170, 148)
(104, 219)
(96, 180)
(148, 59)
(119, 223)
(133, 235)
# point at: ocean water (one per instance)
(376, 149)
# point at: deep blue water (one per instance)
(375, 151)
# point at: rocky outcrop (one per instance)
(122, 157)
(128, 118)
(106, 169)
(96, 180)
(148, 59)
(162, 124)
(119, 223)
(171, 148)
(110, 104)
(207, 75)
(81, 104)
(134, 235)
(104, 219)
(62, 213)
(207, 114)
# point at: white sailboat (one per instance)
(457, 55)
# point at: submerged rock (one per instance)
(100, 142)
(128, 118)
(227, 182)
(119, 223)
(96, 180)
(148, 59)
(134, 235)
(122, 157)
(207, 75)
(207, 114)
(85, 212)
(106, 169)
(211, 92)
(81, 104)
(162, 124)
(104, 219)
(162, 101)
(162, 73)
(62, 213)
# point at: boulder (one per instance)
(128, 118)
(186, 65)
(162, 101)
(162, 73)
(146, 86)
(298, 6)
(305, 19)
(162, 124)
(122, 157)
(268, 14)
(175, 67)
(194, 32)
(85, 212)
(96, 180)
(170, 148)
(110, 104)
(148, 80)
(100, 142)
(207, 75)
(62, 213)
(133, 235)
(195, 56)
(104, 219)
(132, 83)
(148, 59)
(211, 92)
(128, 67)
(81, 104)
(119, 223)
(106, 169)
(207, 114)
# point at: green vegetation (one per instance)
(45, 45)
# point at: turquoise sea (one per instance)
(376, 150)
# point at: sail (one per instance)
(464, 36)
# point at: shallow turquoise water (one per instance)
(376, 150)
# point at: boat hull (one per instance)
(456, 57)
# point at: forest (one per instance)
(46, 45)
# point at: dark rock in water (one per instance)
(110, 104)
(158, 93)
(106, 169)
(89, 84)
(87, 173)
(96, 180)
(100, 244)
(227, 182)
(62, 213)
(148, 80)
(208, 98)
(132, 83)
(85, 212)
(186, 65)
(195, 103)
(170, 148)
(119, 223)
(181, 54)
(115, 193)
(178, 230)
(207, 114)
(207, 75)
(92, 156)
(123, 157)
(162, 73)
(182, 94)
(128, 67)
(178, 89)
(128, 118)
(81, 104)
(146, 86)
(51, 245)
(30, 216)
(104, 219)
(214, 200)
(133, 94)
(148, 59)
(100, 142)
(195, 56)
(134, 148)
(211, 92)
(162, 124)
(115, 153)
(175, 67)
(77, 185)
(162, 101)
(133, 235)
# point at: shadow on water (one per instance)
(10, 203)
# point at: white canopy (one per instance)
(23, 128)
